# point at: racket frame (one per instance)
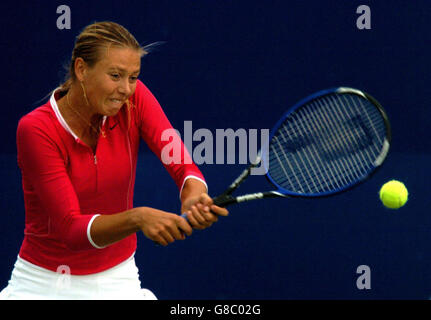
(226, 197)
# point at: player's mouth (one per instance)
(116, 103)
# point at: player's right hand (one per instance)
(163, 227)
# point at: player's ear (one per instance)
(80, 69)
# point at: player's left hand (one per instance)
(201, 212)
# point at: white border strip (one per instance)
(60, 118)
(193, 177)
(89, 234)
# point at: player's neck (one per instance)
(79, 115)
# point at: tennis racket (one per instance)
(327, 143)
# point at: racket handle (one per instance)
(224, 200)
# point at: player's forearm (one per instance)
(192, 189)
(108, 229)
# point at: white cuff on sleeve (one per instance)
(89, 234)
(194, 177)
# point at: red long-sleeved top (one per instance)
(66, 185)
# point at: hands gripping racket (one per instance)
(327, 143)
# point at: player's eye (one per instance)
(115, 76)
(133, 79)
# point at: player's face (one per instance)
(112, 80)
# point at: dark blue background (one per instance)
(241, 64)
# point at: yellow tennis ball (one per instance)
(393, 194)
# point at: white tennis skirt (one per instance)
(31, 282)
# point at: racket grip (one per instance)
(224, 200)
(184, 216)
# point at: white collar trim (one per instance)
(60, 118)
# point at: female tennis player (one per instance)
(78, 155)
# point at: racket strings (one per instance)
(337, 168)
(327, 144)
(349, 140)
